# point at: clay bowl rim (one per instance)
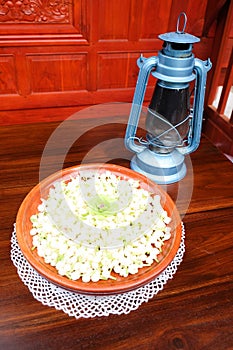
(122, 284)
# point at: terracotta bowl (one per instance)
(121, 284)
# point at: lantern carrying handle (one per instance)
(146, 65)
(178, 23)
(201, 68)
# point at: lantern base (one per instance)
(160, 168)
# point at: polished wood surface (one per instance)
(193, 311)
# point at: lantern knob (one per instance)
(178, 23)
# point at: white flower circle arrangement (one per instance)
(98, 229)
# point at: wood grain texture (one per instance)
(193, 311)
(79, 53)
(218, 126)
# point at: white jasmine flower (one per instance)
(98, 225)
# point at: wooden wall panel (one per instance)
(35, 11)
(25, 21)
(154, 18)
(117, 70)
(81, 52)
(118, 27)
(8, 82)
(57, 72)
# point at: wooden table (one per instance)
(193, 311)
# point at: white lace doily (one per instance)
(80, 305)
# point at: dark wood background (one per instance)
(56, 57)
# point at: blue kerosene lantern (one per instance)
(173, 126)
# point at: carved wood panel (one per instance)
(42, 21)
(79, 52)
(36, 11)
